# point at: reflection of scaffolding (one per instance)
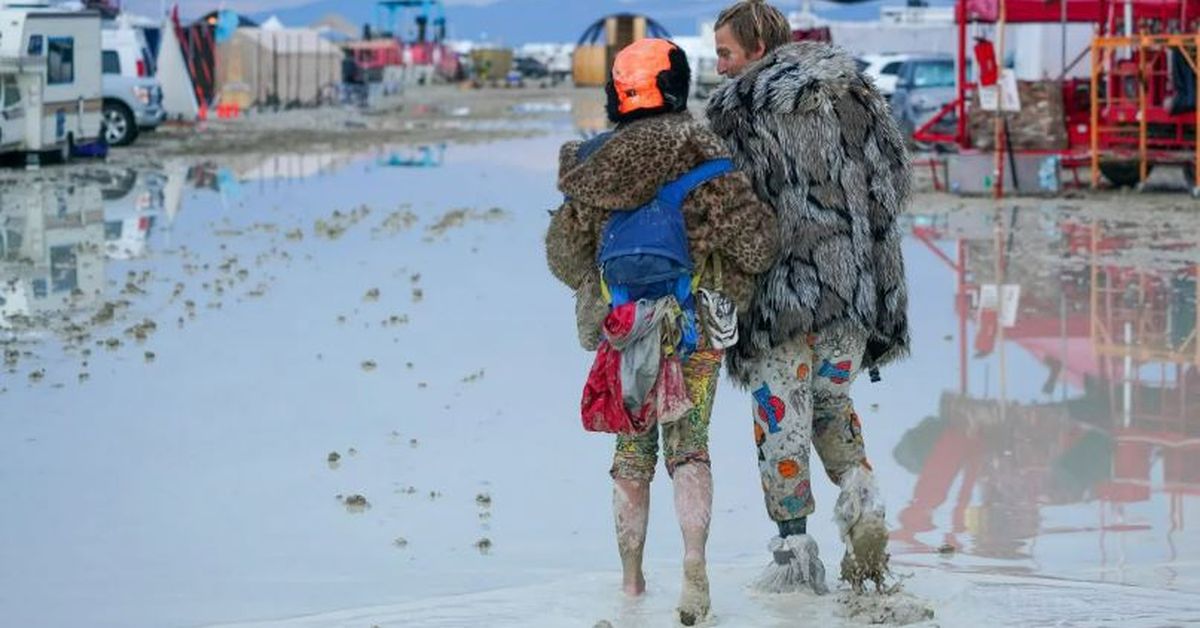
(1144, 324)
(1125, 336)
(1135, 303)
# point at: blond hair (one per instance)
(755, 21)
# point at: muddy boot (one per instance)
(859, 514)
(797, 563)
(694, 600)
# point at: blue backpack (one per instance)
(644, 253)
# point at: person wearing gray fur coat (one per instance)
(821, 149)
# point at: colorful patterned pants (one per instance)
(801, 396)
(685, 440)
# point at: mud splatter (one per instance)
(893, 607)
(396, 222)
(356, 504)
(457, 218)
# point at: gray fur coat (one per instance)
(822, 149)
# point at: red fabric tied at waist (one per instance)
(603, 405)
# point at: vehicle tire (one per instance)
(119, 127)
(1189, 176)
(1123, 174)
(67, 150)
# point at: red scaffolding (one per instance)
(1167, 135)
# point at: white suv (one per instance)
(884, 69)
(132, 96)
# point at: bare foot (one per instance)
(635, 585)
(694, 600)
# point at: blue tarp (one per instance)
(227, 25)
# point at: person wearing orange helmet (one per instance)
(821, 148)
(660, 162)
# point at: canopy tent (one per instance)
(275, 65)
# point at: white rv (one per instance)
(51, 95)
(51, 249)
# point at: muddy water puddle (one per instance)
(1059, 427)
(364, 386)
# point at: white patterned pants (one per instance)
(801, 397)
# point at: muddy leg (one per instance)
(837, 432)
(693, 507)
(631, 509)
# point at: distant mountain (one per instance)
(514, 22)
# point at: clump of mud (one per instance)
(339, 223)
(142, 330)
(395, 321)
(395, 223)
(356, 503)
(892, 607)
(457, 218)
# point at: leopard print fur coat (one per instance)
(722, 216)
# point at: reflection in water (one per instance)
(133, 203)
(420, 157)
(1085, 333)
(56, 234)
(51, 243)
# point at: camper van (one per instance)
(51, 247)
(50, 77)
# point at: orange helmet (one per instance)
(649, 76)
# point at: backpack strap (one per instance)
(713, 261)
(592, 145)
(674, 192)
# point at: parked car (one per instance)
(925, 84)
(132, 95)
(530, 68)
(884, 69)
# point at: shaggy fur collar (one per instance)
(638, 159)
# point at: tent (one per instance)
(179, 93)
(274, 65)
